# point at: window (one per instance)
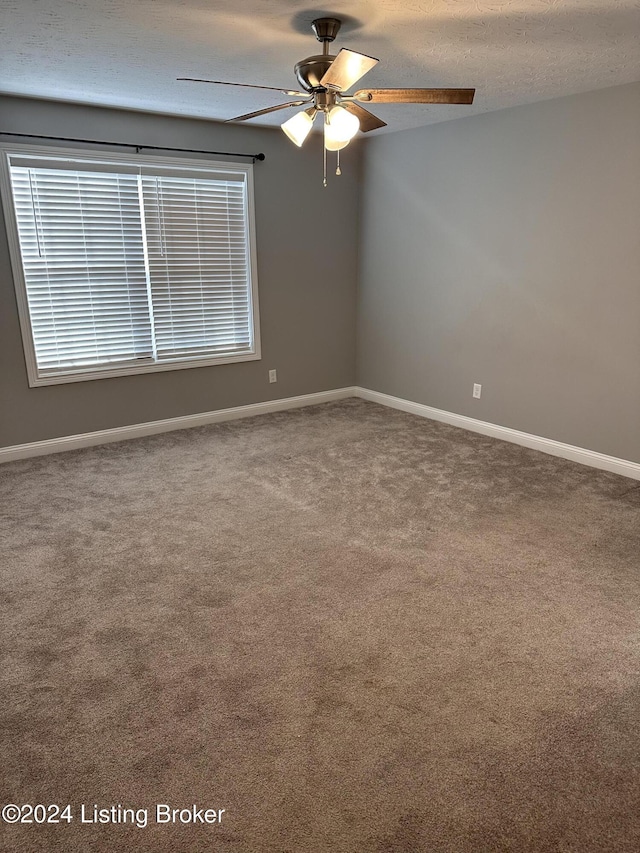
(129, 265)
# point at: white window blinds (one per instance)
(83, 259)
(198, 264)
(133, 265)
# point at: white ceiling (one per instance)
(127, 53)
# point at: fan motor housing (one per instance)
(310, 71)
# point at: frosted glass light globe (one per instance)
(344, 125)
(340, 127)
(333, 143)
(298, 127)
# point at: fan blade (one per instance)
(415, 96)
(346, 69)
(367, 120)
(267, 110)
(293, 92)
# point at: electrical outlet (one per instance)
(477, 391)
(273, 376)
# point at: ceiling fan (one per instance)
(325, 79)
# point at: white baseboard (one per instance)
(535, 442)
(105, 436)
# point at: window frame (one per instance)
(174, 164)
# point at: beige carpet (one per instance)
(351, 628)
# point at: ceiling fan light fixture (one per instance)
(298, 127)
(340, 127)
(325, 81)
(343, 124)
(331, 143)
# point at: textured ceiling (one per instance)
(127, 53)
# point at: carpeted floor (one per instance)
(355, 630)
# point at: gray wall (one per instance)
(504, 249)
(307, 298)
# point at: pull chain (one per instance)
(324, 165)
(338, 171)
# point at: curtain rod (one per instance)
(138, 148)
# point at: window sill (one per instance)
(131, 369)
